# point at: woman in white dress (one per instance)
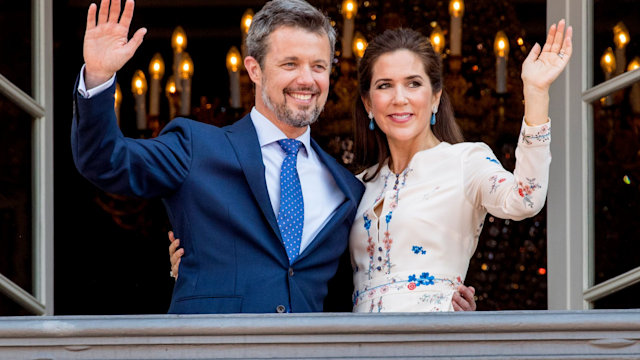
(427, 192)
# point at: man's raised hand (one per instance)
(106, 45)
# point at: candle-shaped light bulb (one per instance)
(233, 65)
(634, 64)
(139, 89)
(359, 45)
(170, 91)
(349, 10)
(245, 22)
(501, 49)
(139, 83)
(233, 59)
(437, 39)
(186, 66)
(178, 39)
(621, 39)
(620, 35)
(501, 44)
(185, 73)
(608, 62)
(156, 66)
(456, 10)
(156, 72)
(456, 7)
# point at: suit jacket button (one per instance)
(290, 271)
(280, 309)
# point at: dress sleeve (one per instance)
(511, 196)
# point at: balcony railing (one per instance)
(592, 334)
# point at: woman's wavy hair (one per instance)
(371, 147)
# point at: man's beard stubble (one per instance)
(298, 119)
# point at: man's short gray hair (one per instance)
(277, 13)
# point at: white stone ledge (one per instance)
(592, 334)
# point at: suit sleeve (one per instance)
(120, 165)
(510, 196)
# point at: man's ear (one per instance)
(253, 69)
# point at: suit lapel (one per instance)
(244, 139)
(343, 209)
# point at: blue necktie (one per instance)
(291, 214)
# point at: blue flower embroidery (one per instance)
(388, 217)
(418, 250)
(367, 222)
(493, 160)
(425, 279)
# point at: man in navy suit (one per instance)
(222, 186)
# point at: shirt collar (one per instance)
(269, 133)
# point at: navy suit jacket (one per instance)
(212, 183)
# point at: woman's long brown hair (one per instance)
(371, 147)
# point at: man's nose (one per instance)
(305, 76)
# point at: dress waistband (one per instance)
(405, 282)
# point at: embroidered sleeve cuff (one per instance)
(535, 135)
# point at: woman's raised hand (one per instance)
(543, 66)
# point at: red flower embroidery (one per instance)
(520, 192)
(411, 286)
(502, 180)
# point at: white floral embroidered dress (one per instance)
(416, 252)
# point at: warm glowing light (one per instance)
(359, 45)
(484, 267)
(520, 41)
(156, 66)
(634, 64)
(456, 8)
(437, 39)
(247, 19)
(233, 59)
(186, 66)
(620, 35)
(118, 96)
(139, 83)
(349, 9)
(626, 180)
(179, 39)
(608, 61)
(501, 44)
(170, 89)
(542, 271)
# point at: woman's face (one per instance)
(401, 97)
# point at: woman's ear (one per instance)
(367, 103)
(435, 99)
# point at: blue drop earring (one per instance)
(433, 116)
(372, 125)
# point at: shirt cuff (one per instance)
(535, 135)
(82, 87)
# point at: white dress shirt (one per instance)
(319, 190)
